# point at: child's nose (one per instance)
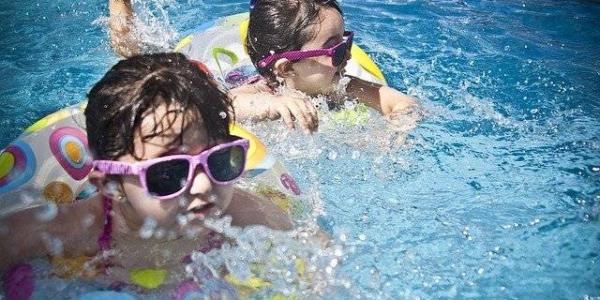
(201, 184)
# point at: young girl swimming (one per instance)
(298, 44)
(303, 45)
(158, 129)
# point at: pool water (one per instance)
(496, 194)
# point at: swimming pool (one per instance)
(495, 195)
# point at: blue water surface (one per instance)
(496, 194)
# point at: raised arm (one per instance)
(120, 25)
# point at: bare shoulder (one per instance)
(249, 209)
(81, 225)
(69, 230)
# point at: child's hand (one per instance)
(294, 108)
(290, 107)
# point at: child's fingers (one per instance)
(299, 113)
(302, 110)
(312, 112)
(286, 115)
(309, 112)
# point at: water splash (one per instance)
(148, 228)
(151, 25)
(287, 263)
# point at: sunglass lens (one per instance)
(167, 178)
(227, 164)
(339, 55)
(349, 43)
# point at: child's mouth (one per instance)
(202, 211)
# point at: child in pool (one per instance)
(280, 35)
(158, 129)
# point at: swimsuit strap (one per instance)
(106, 236)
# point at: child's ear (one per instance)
(284, 68)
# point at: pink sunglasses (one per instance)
(337, 53)
(169, 176)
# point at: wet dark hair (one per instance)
(136, 87)
(281, 25)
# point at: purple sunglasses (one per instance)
(337, 53)
(169, 176)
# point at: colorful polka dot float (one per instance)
(17, 166)
(69, 147)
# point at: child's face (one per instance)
(317, 75)
(201, 199)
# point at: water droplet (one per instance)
(88, 220)
(159, 233)
(365, 218)
(332, 155)
(183, 149)
(112, 189)
(182, 201)
(47, 212)
(181, 219)
(333, 263)
(55, 245)
(213, 198)
(27, 199)
(147, 229)
(338, 252)
(191, 232)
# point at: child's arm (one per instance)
(249, 209)
(388, 101)
(250, 103)
(119, 24)
(72, 232)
